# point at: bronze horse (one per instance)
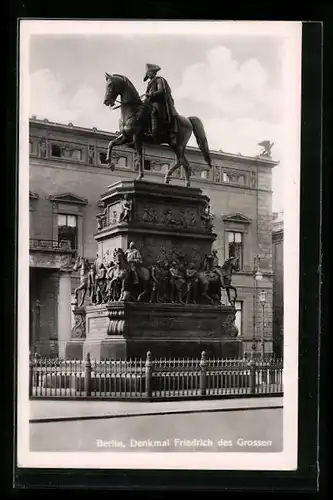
(122, 275)
(133, 127)
(230, 265)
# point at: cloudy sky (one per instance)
(233, 83)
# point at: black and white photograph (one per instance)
(159, 184)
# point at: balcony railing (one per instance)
(38, 244)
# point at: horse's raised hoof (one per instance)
(166, 180)
(187, 184)
(111, 165)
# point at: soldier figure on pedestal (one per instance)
(177, 282)
(134, 259)
(192, 283)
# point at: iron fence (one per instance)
(150, 379)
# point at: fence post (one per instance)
(87, 375)
(203, 374)
(252, 364)
(149, 369)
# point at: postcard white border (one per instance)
(290, 35)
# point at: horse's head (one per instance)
(77, 263)
(112, 89)
(235, 265)
(119, 256)
(120, 85)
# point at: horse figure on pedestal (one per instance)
(230, 265)
(123, 285)
(134, 125)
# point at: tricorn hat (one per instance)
(151, 67)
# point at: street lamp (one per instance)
(262, 299)
(257, 276)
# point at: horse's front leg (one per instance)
(235, 297)
(118, 141)
(83, 296)
(228, 294)
(76, 291)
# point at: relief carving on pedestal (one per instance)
(184, 218)
(228, 327)
(79, 329)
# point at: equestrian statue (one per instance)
(152, 121)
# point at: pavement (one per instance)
(253, 430)
(53, 410)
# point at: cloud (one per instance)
(238, 107)
(82, 106)
(236, 89)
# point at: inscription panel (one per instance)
(97, 327)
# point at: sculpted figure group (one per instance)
(125, 278)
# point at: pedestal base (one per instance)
(127, 330)
(110, 348)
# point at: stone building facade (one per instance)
(277, 240)
(67, 176)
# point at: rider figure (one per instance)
(101, 283)
(215, 265)
(158, 94)
(92, 283)
(134, 260)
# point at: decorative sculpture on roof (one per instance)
(266, 149)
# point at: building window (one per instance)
(67, 230)
(77, 154)
(235, 246)
(56, 150)
(102, 158)
(217, 178)
(226, 177)
(122, 162)
(241, 180)
(147, 165)
(239, 317)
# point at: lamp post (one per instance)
(257, 276)
(262, 299)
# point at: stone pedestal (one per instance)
(120, 330)
(166, 223)
(74, 348)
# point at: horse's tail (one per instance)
(200, 136)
